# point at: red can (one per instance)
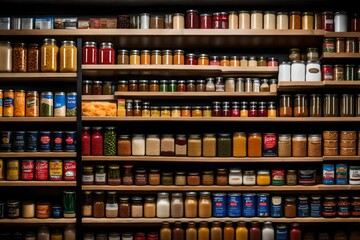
(27, 170)
(69, 170)
(42, 170)
(270, 145)
(327, 73)
(205, 21)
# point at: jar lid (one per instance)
(156, 52)
(106, 44)
(164, 81)
(263, 172)
(343, 197)
(203, 55)
(224, 134)
(114, 166)
(303, 198)
(205, 193)
(269, 12)
(138, 135)
(176, 194)
(128, 166)
(163, 194)
(329, 197)
(136, 199)
(235, 170)
(167, 52)
(167, 173)
(180, 173)
(178, 51)
(154, 170)
(140, 170)
(191, 194)
(123, 51)
(290, 199)
(145, 51)
(134, 52)
(208, 172)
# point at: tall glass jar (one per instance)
(315, 109)
(19, 58)
(6, 57)
(68, 57)
(286, 108)
(106, 53)
(33, 58)
(191, 205)
(177, 205)
(331, 105)
(89, 53)
(49, 55)
(301, 106)
(163, 205)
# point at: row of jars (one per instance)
(206, 204)
(40, 209)
(192, 19)
(341, 45)
(210, 84)
(238, 144)
(112, 175)
(106, 53)
(21, 103)
(137, 108)
(317, 105)
(114, 235)
(33, 58)
(43, 232)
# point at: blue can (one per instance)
(315, 206)
(59, 104)
(70, 141)
(341, 174)
(248, 206)
(32, 141)
(57, 141)
(71, 103)
(276, 207)
(56, 211)
(281, 232)
(234, 204)
(328, 174)
(19, 141)
(219, 205)
(263, 205)
(303, 206)
(44, 141)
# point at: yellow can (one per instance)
(1, 103)
(8, 103)
(19, 103)
(55, 170)
(12, 170)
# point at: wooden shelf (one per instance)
(200, 159)
(221, 119)
(330, 55)
(98, 97)
(223, 188)
(288, 86)
(38, 119)
(191, 95)
(37, 183)
(213, 219)
(44, 77)
(341, 158)
(37, 154)
(38, 221)
(176, 70)
(341, 34)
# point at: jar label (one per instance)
(303, 210)
(111, 206)
(100, 177)
(88, 178)
(329, 210)
(344, 210)
(315, 210)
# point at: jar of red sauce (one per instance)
(329, 207)
(235, 109)
(327, 21)
(225, 111)
(106, 53)
(295, 232)
(97, 142)
(89, 53)
(85, 141)
(272, 62)
(140, 236)
(191, 59)
(216, 20)
(205, 21)
(262, 109)
(216, 111)
(192, 19)
(355, 23)
(224, 20)
(214, 60)
(152, 236)
(253, 110)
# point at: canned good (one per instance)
(248, 205)
(46, 104)
(6, 141)
(234, 204)
(270, 145)
(276, 207)
(57, 141)
(12, 170)
(59, 104)
(70, 141)
(329, 45)
(315, 206)
(55, 170)
(41, 170)
(327, 72)
(69, 170)
(278, 177)
(8, 106)
(303, 207)
(338, 72)
(71, 103)
(341, 174)
(13, 209)
(43, 209)
(44, 141)
(27, 170)
(219, 205)
(328, 174)
(281, 232)
(69, 204)
(263, 205)
(56, 211)
(32, 141)
(19, 141)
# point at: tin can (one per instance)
(70, 141)
(46, 104)
(2, 209)
(27, 23)
(55, 170)
(19, 141)
(315, 206)
(276, 207)
(12, 170)
(338, 72)
(43, 209)
(57, 141)
(329, 45)
(281, 232)
(327, 72)
(16, 23)
(263, 205)
(59, 104)
(69, 170)
(42, 170)
(44, 141)
(6, 141)
(27, 170)
(32, 141)
(248, 205)
(303, 206)
(341, 174)
(219, 205)
(71, 103)
(277, 177)
(2, 170)
(56, 211)
(234, 204)
(270, 145)
(13, 209)
(8, 108)
(69, 203)
(328, 174)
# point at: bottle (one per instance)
(216, 231)
(229, 232)
(165, 231)
(204, 233)
(178, 232)
(43, 233)
(241, 231)
(70, 232)
(255, 232)
(268, 231)
(295, 232)
(191, 232)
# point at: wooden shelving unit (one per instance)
(341, 158)
(37, 221)
(341, 34)
(37, 183)
(223, 188)
(191, 95)
(38, 77)
(292, 86)
(37, 154)
(200, 159)
(98, 98)
(212, 219)
(38, 119)
(329, 55)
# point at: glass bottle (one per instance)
(178, 232)
(268, 231)
(203, 232)
(229, 231)
(191, 231)
(241, 231)
(216, 231)
(163, 205)
(165, 231)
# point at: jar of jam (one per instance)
(106, 53)
(133, 85)
(203, 59)
(122, 86)
(205, 21)
(253, 109)
(191, 59)
(329, 207)
(327, 21)
(143, 85)
(97, 88)
(90, 53)
(154, 86)
(128, 177)
(192, 20)
(178, 57)
(262, 110)
(181, 86)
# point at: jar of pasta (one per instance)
(299, 145)
(49, 52)
(68, 57)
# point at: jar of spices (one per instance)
(124, 145)
(145, 57)
(111, 208)
(135, 58)
(180, 179)
(178, 21)
(194, 145)
(99, 204)
(167, 178)
(136, 207)
(191, 205)
(244, 20)
(177, 205)
(193, 179)
(307, 22)
(141, 177)
(249, 178)
(128, 177)
(163, 205)
(100, 175)
(123, 57)
(13, 209)
(154, 177)
(221, 177)
(114, 174)
(107, 88)
(167, 57)
(190, 86)
(181, 87)
(87, 204)
(156, 22)
(138, 145)
(282, 20)
(290, 207)
(252, 61)
(149, 207)
(203, 59)
(155, 57)
(97, 88)
(224, 146)
(256, 20)
(124, 207)
(284, 145)
(200, 86)
(291, 177)
(209, 145)
(299, 145)
(88, 175)
(269, 20)
(87, 87)
(235, 176)
(234, 61)
(207, 178)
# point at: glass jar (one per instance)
(254, 145)
(235, 176)
(224, 146)
(207, 178)
(256, 20)
(307, 22)
(263, 178)
(300, 105)
(111, 207)
(123, 57)
(100, 175)
(290, 207)
(155, 57)
(114, 174)
(99, 204)
(167, 178)
(180, 178)
(329, 206)
(330, 105)
(191, 205)
(284, 145)
(181, 86)
(124, 207)
(314, 145)
(177, 205)
(97, 142)
(33, 58)
(299, 145)
(137, 208)
(192, 20)
(295, 20)
(269, 20)
(163, 205)
(110, 141)
(141, 177)
(89, 53)
(167, 57)
(145, 57)
(19, 58)
(205, 21)
(193, 179)
(106, 53)
(6, 56)
(87, 204)
(156, 22)
(154, 177)
(244, 20)
(191, 59)
(178, 57)
(135, 57)
(128, 176)
(203, 59)
(68, 57)
(327, 21)
(347, 105)
(221, 177)
(149, 207)
(124, 145)
(178, 21)
(315, 109)
(282, 20)
(291, 177)
(49, 55)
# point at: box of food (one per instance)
(65, 23)
(83, 23)
(5, 23)
(94, 23)
(108, 23)
(44, 23)
(99, 109)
